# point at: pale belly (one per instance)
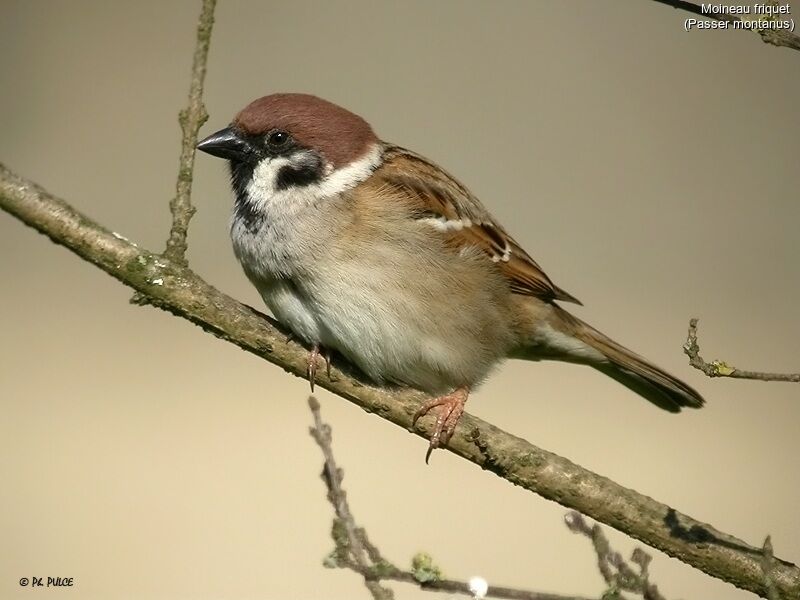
(386, 337)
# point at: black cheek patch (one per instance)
(298, 176)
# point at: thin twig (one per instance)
(354, 550)
(719, 368)
(698, 10)
(617, 573)
(775, 37)
(333, 475)
(191, 120)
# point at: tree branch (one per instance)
(718, 368)
(776, 37)
(171, 286)
(191, 120)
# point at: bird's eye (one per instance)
(278, 139)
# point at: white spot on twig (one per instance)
(158, 281)
(478, 586)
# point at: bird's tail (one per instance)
(568, 338)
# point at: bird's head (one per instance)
(285, 142)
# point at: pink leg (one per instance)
(450, 408)
(311, 370)
(313, 357)
(328, 363)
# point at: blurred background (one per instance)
(652, 172)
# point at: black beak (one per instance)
(227, 143)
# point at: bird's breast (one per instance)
(280, 239)
(381, 291)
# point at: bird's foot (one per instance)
(311, 369)
(313, 356)
(449, 407)
(327, 355)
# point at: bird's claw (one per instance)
(450, 408)
(311, 369)
(313, 357)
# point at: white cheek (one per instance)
(262, 185)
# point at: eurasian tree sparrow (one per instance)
(362, 247)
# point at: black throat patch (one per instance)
(241, 175)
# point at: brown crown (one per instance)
(339, 135)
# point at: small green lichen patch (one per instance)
(332, 560)
(722, 368)
(424, 569)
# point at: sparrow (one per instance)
(365, 248)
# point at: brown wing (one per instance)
(440, 198)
